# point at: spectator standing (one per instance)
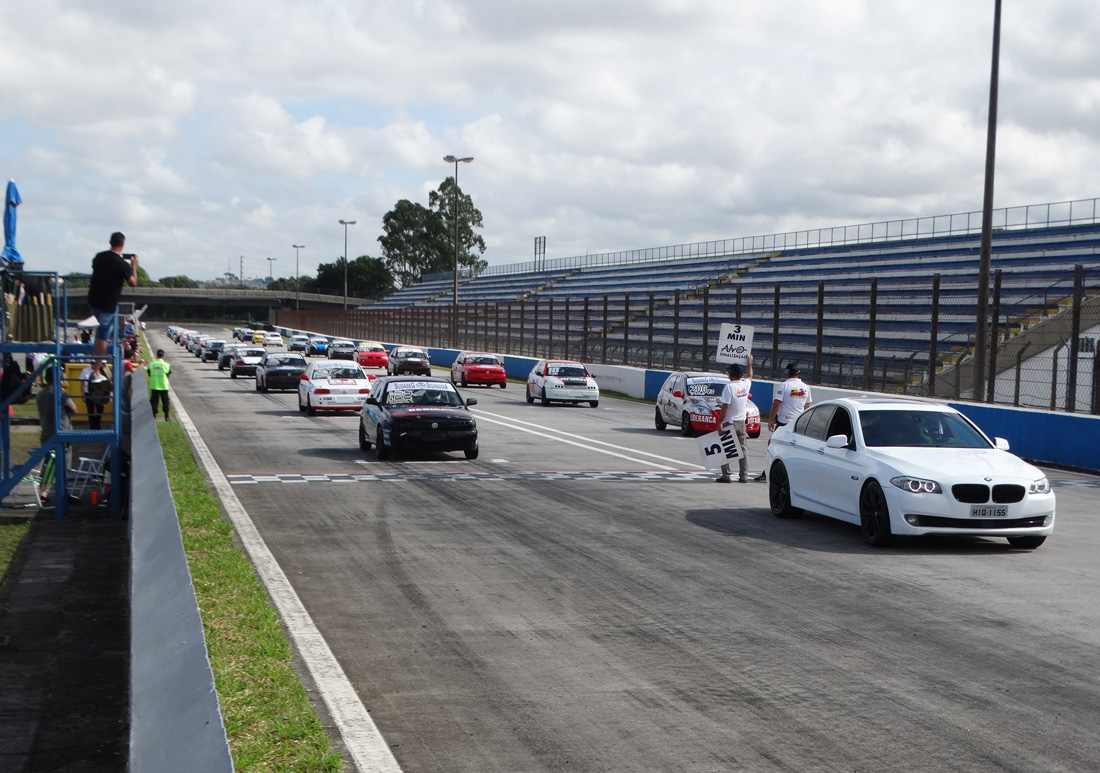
(95, 388)
(47, 422)
(44, 403)
(792, 397)
(159, 372)
(734, 407)
(110, 269)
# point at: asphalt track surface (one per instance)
(584, 598)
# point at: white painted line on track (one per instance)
(368, 749)
(513, 422)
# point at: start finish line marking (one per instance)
(662, 476)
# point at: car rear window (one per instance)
(335, 373)
(482, 360)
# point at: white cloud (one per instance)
(210, 130)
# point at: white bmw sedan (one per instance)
(906, 467)
(331, 385)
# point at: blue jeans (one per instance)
(106, 329)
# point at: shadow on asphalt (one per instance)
(828, 535)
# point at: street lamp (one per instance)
(346, 223)
(297, 289)
(454, 300)
(269, 262)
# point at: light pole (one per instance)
(454, 300)
(346, 223)
(269, 262)
(297, 289)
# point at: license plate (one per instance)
(988, 511)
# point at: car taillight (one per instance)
(371, 376)
(322, 391)
(364, 391)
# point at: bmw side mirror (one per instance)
(303, 377)
(471, 401)
(371, 401)
(1000, 443)
(837, 441)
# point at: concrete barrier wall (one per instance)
(175, 720)
(1052, 438)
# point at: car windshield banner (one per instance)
(718, 448)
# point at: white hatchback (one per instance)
(333, 385)
(562, 381)
(906, 467)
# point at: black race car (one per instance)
(407, 359)
(279, 370)
(417, 414)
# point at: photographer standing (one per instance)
(110, 269)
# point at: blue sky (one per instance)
(209, 130)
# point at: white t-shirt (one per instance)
(736, 395)
(793, 395)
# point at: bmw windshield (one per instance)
(919, 429)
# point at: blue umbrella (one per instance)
(12, 200)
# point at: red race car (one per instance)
(372, 355)
(478, 368)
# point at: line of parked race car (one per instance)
(892, 466)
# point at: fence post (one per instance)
(1054, 381)
(775, 328)
(994, 343)
(1075, 337)
(706, 328)
(649, 348)
(551, 338)
(584, 338)
(535, 331)
(676, 330)
(934, 336)
(869, 367)
(820, 330)
(567, 327)
(1096, 380)
(522, 326)
(626, 328)
(603, 354)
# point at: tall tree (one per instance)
(413, 242)
(444, 202)
(367, 277)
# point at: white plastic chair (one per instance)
(90, 471)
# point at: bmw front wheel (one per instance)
(779, 493)
(874, 515)
(364, 443)
(380, 447)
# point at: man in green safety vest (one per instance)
(159, 372)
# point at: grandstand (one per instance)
(888, 305)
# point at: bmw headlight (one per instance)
(917, 485)
(1041, 486)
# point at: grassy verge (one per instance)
(268, 717)
(13, 531)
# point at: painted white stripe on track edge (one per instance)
(368, 749)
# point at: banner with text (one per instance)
(734, 343)
(718, 448)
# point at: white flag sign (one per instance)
(718, 448)
(734, 343)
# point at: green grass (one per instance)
(269, 720)
(11, 534)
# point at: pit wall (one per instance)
(1061, 439)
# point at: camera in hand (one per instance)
(128, 255)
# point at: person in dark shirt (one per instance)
(109, 271)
